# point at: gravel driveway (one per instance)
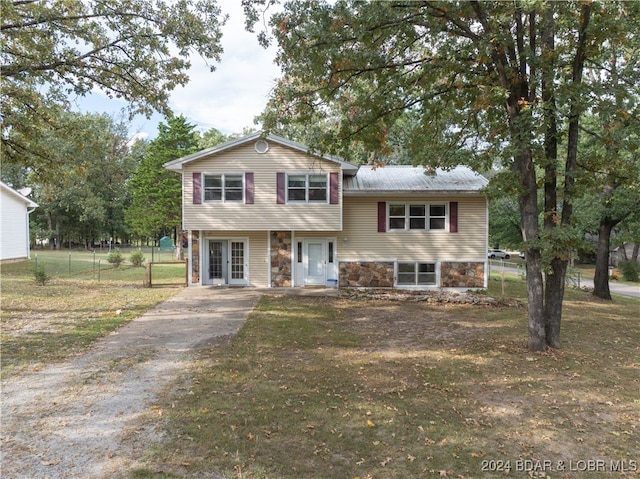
(84, 418)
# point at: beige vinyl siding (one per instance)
(363, 242)
(257, 249)
(265, 214)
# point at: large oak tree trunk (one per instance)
(601, 276)
(554, 294)
(529, 217)
(535, 296)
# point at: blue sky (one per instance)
(226, 99)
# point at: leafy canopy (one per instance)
(136, 50)
(156, 208)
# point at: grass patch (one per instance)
(52, 322)
(330, 387)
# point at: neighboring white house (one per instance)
(14, 224)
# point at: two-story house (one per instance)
(264, 212)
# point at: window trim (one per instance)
(427, 216)
(416, 273)
(307, 188)
(223, 187)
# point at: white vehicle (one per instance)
(497, 253)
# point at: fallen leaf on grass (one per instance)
(385, 462)
(50, 463)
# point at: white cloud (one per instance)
(228, 99)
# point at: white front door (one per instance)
(315, 262)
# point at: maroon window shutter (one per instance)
(197, 188)
(248, 188)
(382, 217)
(333, 188)
(280, 182)
(453, 217)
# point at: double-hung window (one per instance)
(418, 216)
(224, 187)
(416, 273)
(307, 188)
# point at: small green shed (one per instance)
(166, 244)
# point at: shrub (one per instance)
(630, 270)
(40, 275)
(115, 258)
(136, 258)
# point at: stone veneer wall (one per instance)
(195, 256)
(461, 274)
(281, 259)
(366, 274)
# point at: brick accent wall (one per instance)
(281, 259)
(366, 274)
(461, 275)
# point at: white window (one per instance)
(416, 273)
(224, 187)
(307, 188)
(417, 216)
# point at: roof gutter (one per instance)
(413, 192)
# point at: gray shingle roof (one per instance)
(409, 179)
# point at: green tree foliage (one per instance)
(504, 224)
(134, 50)
(489, 83)
(211, 138)
(156, 208)
(82, 195)
(611, 161)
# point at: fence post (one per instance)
(69, 263)
(99, 270)
(147, 276)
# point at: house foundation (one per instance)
(366, 274)
(455, 274)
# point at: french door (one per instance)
(227, 262)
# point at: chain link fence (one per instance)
(95, 265)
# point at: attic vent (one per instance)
(262, 146)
